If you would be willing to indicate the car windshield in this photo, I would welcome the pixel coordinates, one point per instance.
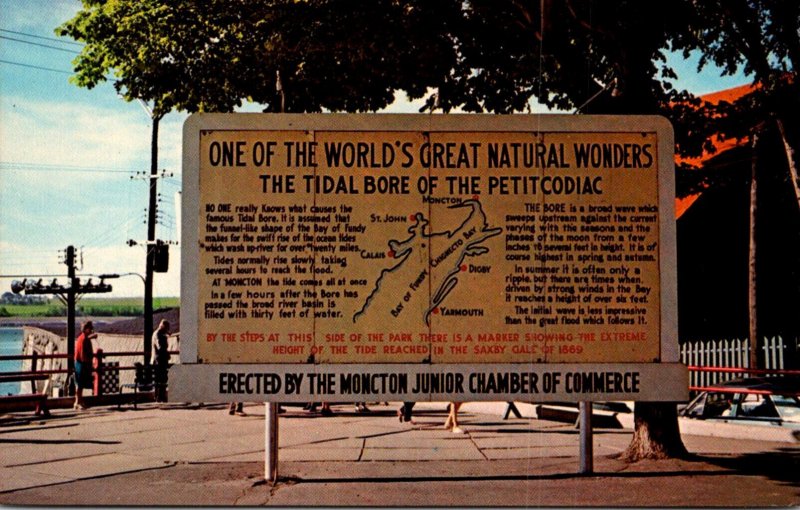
(756, 406)
(788, 407)
(772, 400)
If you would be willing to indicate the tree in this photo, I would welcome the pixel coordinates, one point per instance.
(495, 56)
(176, 55)
(592, 57)
(482, 55)
(763, 38)
(343, 55)
(155, 49)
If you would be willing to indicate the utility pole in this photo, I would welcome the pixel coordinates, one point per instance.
(69, 295)
(151, 243)
(73, 284)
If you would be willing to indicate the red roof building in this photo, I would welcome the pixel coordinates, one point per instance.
(713, 234)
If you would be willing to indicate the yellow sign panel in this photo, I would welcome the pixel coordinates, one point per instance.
(428, 246)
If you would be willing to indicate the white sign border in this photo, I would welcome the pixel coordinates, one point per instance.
(432, 123)
(236, 382)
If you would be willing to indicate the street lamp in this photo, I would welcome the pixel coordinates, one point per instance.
(112, 276)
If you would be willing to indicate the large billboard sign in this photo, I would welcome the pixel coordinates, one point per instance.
(389, 248)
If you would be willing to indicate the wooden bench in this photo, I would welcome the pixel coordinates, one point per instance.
(32, 377)
(25, 401)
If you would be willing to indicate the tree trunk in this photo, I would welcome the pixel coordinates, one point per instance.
(790, 160)
(656, 434)
(751, 273)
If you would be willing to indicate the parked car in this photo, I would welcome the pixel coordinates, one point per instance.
(753, 400)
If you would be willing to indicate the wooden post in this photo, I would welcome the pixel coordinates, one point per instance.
(34, 359)
(751, 265)
(271, 442)
(98, 372)
(586, 449)
(71, 296)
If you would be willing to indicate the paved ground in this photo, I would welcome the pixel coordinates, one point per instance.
(192, 455)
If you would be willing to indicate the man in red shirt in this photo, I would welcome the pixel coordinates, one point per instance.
(84, 357)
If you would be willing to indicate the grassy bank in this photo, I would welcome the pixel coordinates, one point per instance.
(95, 307)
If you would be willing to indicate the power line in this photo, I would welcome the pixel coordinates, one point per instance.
(21, 260)
(28, 253)
(23, 41)
(101, 239)
(57, 167)
(35, 67)
(28, 250)
(62, 41)
(31, 275)
(46, 167)
(31, 250)
(174, 182)
(32, 262)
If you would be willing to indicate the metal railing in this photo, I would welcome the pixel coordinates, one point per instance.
(693, 370)
(35, 374)
(733, 354)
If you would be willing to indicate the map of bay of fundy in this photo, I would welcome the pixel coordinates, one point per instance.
(427, 268)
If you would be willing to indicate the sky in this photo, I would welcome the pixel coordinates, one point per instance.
(72, 159)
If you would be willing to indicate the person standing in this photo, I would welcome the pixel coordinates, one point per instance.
(404, 413)
(161, 359)
(452, 419)
(84, 357)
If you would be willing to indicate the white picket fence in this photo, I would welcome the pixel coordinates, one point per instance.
(728, 353)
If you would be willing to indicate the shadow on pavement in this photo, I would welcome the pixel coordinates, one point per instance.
(56, 441)
(489, 478)
(10, 430)
(781, 465)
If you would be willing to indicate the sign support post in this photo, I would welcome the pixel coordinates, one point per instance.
(586, 439)
(271, 442)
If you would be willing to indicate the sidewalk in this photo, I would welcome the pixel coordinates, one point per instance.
(192, 455)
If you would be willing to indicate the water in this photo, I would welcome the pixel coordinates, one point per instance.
(10, 345)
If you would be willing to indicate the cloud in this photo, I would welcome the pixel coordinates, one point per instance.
(122, 260)
(402, 104)
(73, 135)
(65, 180)
(170, 143)
(20, 259)
(126, 259)
(32, 15)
